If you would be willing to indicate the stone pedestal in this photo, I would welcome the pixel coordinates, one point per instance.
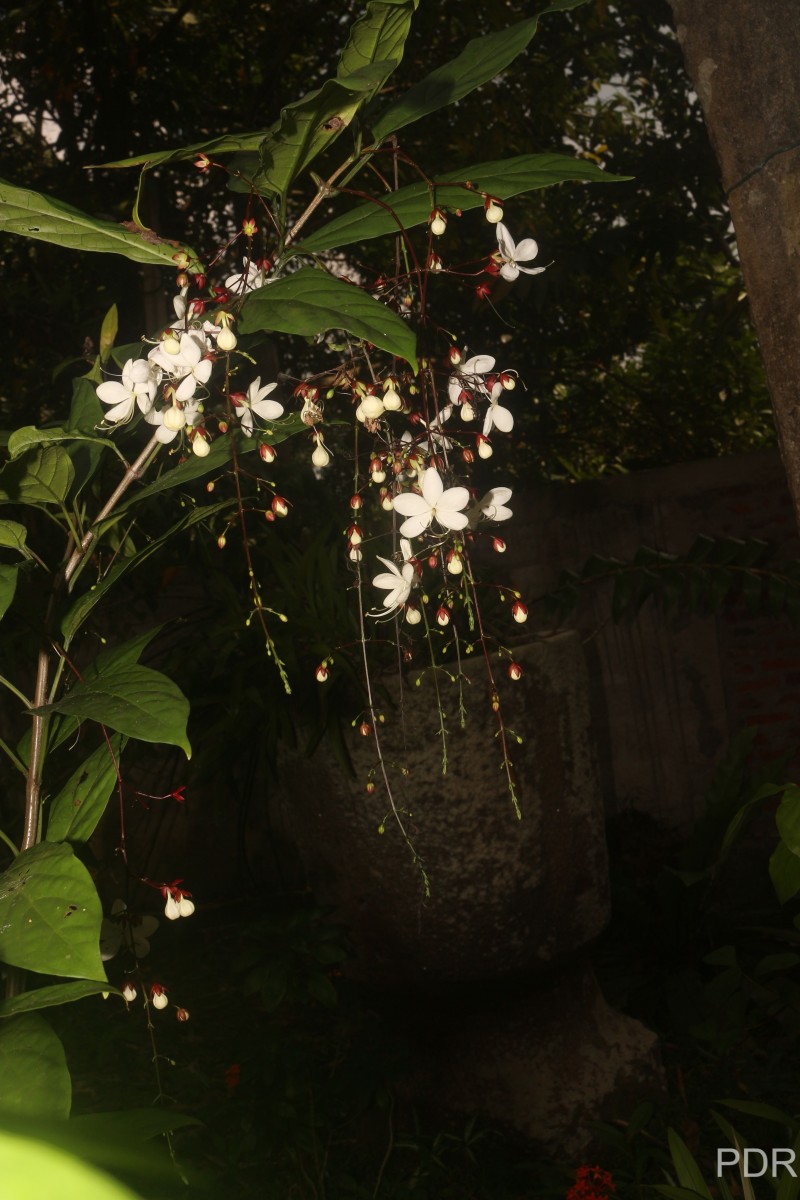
(512, 902)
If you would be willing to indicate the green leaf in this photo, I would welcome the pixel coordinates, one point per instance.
(134, 700)
(311, 302)
(784, 871)
(787, 818)
(108, 332)
(310, 125)
(33, 215)
(33, 1070)
(756, 1108)
(76, 810)
(228, 143)
(50, 914)
(412, 205)
(85, 411)
(29, 437)
(481, 60)
(32, 1169)
(689, 1174)
(41, 476)
(13, 537)
(216, 460)
(53, 995)
(8, 586)
(75, 616)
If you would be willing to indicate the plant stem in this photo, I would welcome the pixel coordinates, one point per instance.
(5, 838)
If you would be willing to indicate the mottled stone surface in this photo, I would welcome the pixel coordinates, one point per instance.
(506, 895)
(543, 1060)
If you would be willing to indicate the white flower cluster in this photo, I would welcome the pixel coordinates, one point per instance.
(170, 384)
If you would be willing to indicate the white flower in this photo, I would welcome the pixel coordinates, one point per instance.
(497, 417)
(172, 420)
(514, 254)
(435, 504)
(492, 506)
(256, 402)
(189, 364)
(397, 582)
(250, 278)
(113, 934)
(138, 386)
(468, 377)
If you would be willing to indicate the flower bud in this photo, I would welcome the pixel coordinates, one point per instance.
(223, 426)
(372, 407)
(170, 344)
(376, 470)
(519, 612)
(172, 909)
(355, 554)
(356, 502)
(507, 381)
(182, 1014)
(174, 418)
(355, 535)
(181, 279)
(514, 670)
(455, 564)
(484, 447)
(280, 506)
(320, 457)
(129, 993)
(392, 401)
(226, 340)
(186, 906)
(249, 227)
(201, 446)
(370, 787)
(498, 545)
(267, 453)
(443, 616)
(434, 262)
(413, 615)
(365, 729)
(432, 560)
(221, 541)
(492, 210)
(483, 291)
(202, 162)
(438, 222)
(321, 673)
(467, 455)
(467, 412)
(158, 996)
(454, 356)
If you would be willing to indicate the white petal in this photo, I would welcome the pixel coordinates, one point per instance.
(112, 392)
(191, 353)
(505, 241)
(526, 249)
(478, 365)
(509, 271)
(533, 270)
(409, 504)
(453, 499)
(405, 549)
(186, 388)
(122, 412)
(503, 419)
(450, 519)
(202, 371)
(269, 410)
(414, 526)
(432, 486)
(165, 435)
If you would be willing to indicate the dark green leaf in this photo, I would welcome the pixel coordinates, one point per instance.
(784, 871)
(787, 818)
(53, 996)
(33, 1069)
(481, 60)
(8, 586)
(310, 125)
(42, 476)
(689, 1174)
(50, 914)
(311, 302)
(74, 813)
(13, 536)
(133, 700)
(33, 215)
(74, 618)
(412, 205)
(86, 411)
(217, 460)
(29, 437)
